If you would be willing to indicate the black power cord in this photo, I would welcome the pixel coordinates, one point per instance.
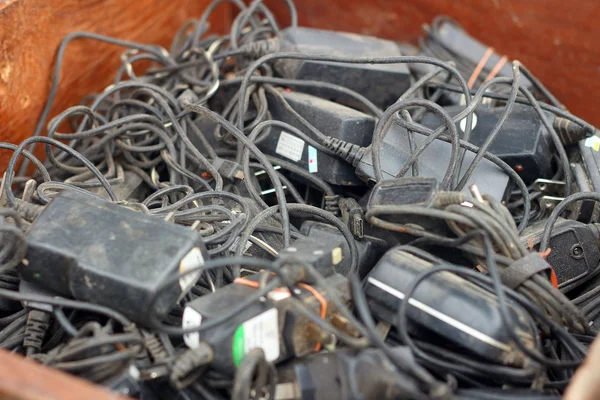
(181, 141)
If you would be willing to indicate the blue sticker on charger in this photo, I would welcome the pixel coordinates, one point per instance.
(312, 160)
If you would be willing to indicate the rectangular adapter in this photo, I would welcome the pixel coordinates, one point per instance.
(523, 142)
(272, 325)
(449, 305)
(432, 162)
(97, 251)
(575, 251)
(457, 44)
(382, 84)
(346, 374)
(417, 191)
(333, 120)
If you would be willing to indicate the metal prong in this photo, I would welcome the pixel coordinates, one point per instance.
(210, 281)
(3, 191)
(265, 245)
(476, 193)
(154, 176)
(262, 171)
(549, 202)
(195, 225)
(548, 186)
(170, 217)
(269, 191)
(29, 190)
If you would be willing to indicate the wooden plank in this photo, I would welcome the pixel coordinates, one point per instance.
(555, 39)
(26, 380)
(30, 31)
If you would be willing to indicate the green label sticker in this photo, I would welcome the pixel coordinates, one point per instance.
(238, 346)
(260, 332)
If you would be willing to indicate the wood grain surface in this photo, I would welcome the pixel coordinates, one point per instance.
(30, 31)
(23, 379)
(557, 40)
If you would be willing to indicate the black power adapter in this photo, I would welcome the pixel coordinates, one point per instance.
(417, 191)
(575, 255)
(446, 40)
(346, 374)
(334, 119)
(449, 305)
(432, 163)
(98, 251)
(271, 325)
(523, 142)
(380, 83)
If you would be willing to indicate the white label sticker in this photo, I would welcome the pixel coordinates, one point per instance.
(192, 260)
(463, 123)
(191, 319)
(593, 142)
(290, 146)
(260, 332)
(312, 160)
(278, 295)
(134, 372)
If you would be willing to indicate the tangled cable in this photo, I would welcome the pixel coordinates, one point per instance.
(187, 141)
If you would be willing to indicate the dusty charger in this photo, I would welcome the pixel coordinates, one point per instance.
(575, 251)
(333, 119)
(380, 83)
(457, 310)
(523, 142)
(346, 374)
(97, 251)
(271, 325)
(432, 163)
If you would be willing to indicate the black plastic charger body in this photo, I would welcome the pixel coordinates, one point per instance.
(455, 309)
(381, 83)
(98, 251)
